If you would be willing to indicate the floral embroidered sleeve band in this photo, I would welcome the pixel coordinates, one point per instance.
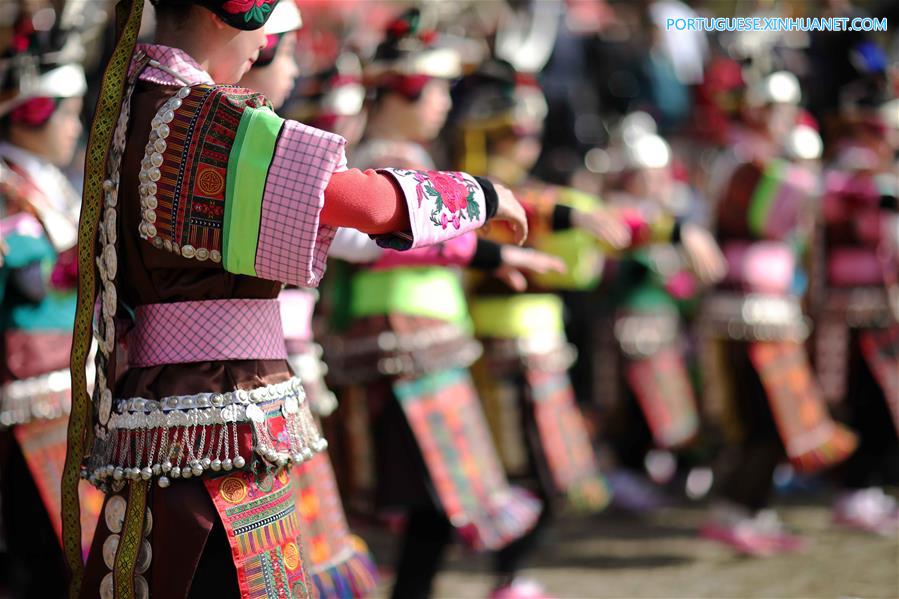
(441, 205)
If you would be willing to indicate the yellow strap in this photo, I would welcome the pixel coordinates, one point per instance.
(130, 541)
(80, 432)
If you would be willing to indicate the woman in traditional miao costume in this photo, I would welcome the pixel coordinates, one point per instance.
(653, 404)
(772, 406)
(857, 305)
(522, 378)
(405, 354)
(200, 204)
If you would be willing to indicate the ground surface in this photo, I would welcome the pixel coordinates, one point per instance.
(615, 555)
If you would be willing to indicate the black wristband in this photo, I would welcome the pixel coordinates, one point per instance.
(676, 230)
(487, 255)
(889, 203)
(561, 220)
(490, 198)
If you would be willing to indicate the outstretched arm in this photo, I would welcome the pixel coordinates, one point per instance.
(271, 210)
(406, 208)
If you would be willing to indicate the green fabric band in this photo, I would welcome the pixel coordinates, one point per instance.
(763, 197)
(411, 391)
(649, 297)
(427, 291)
(248, 164)
(518, 316)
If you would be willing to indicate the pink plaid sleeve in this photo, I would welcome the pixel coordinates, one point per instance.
(293, 244)
(442, 205)
(456, 252)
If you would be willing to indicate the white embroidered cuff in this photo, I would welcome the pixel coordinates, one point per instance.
(442, 205)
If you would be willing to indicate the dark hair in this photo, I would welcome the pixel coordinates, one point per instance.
(174, 12)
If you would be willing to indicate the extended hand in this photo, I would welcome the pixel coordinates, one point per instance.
(706, 259)
(517, 261)
(604, 225)
(509, 210)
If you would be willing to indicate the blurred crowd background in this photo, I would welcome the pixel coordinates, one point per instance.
(620, 94)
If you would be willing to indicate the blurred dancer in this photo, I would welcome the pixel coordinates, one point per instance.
(774, 405)
(339, 563)
(408, 347)
(654, 285)
(40, 123)
(857, 333)
(334, 100)
(522, 377)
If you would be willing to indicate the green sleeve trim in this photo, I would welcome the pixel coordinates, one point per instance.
(763, 197)
(248, 164)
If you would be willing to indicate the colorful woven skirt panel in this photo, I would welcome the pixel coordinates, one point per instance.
(447, 421)
(880, 347)
(812, 439)
(565, 442)
(263, 527)
(43, 443)
(500, 393)
(662, 387)
(338, 563)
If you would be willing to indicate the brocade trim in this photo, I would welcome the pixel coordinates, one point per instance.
(431, 349)
(862, 307)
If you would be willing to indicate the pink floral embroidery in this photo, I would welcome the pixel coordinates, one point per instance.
(255, 10)
(453, 196)
(681, 285)
(241, 6)
(453, 193)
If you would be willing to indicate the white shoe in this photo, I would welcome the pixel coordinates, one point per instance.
(869, 510)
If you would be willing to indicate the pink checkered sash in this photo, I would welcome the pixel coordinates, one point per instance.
(206, 331)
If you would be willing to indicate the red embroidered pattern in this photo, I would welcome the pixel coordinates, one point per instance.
(191, 190)
(252, 10)
(453, 196)
(259, 514)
